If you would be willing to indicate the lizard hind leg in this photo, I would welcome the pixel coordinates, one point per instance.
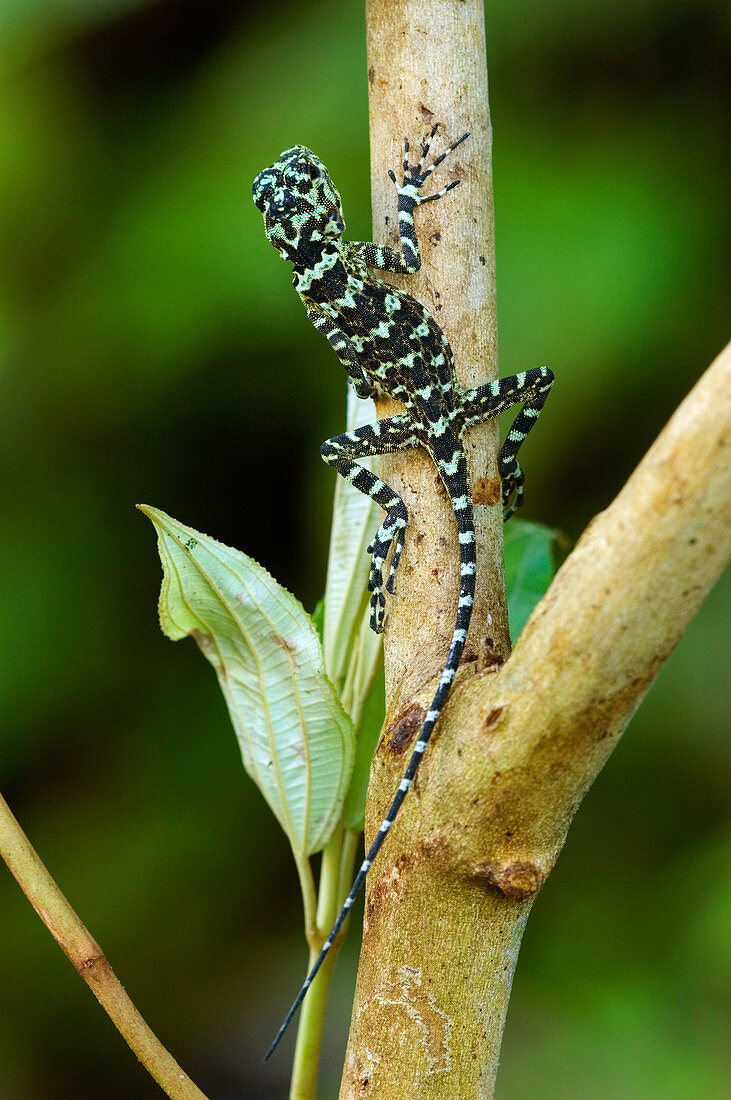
(390, 533)
(529, 389)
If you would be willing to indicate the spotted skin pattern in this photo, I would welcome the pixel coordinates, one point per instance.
(391, 346)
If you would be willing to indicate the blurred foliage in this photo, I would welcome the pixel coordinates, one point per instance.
(152, 349)
(531, 554)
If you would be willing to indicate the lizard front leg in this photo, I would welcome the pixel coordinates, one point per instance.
(342, 347)
(380, 437)
(407, 260)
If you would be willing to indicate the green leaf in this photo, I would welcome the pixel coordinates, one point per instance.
(318, 617)
(369, 730)
(529, 568)
(296, 740)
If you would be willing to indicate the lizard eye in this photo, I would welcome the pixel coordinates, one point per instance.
(308, 170)
(262, 190)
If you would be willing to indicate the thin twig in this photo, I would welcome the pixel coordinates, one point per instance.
(88, 959)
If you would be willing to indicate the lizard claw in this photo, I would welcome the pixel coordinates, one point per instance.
(415, 176)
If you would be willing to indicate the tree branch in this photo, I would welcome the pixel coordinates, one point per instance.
(517, 748)
(517, 751)
(539, 732)
(426, 65)
(87, 957)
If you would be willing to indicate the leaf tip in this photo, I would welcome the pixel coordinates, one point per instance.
(149, 511)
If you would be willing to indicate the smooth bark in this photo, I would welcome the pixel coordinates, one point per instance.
(519, 744)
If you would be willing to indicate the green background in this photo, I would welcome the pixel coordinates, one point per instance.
(151, 349)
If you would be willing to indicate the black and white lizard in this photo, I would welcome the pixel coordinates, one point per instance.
(391, 346)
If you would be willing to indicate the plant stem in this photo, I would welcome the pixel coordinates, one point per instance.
(309, 898)
(87, 957)
(351, 840)
(312, 1017)
(309, 1031)
(327, 895)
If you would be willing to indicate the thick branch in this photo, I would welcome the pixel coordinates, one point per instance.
(537, 733)
(426, 65)
(517, 750)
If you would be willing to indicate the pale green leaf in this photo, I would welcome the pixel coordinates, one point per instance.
(296, 740)
(355, 519)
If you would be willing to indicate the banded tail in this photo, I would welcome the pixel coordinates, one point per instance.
(454, 474)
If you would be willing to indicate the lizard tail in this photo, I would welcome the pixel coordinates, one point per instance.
(454, 474)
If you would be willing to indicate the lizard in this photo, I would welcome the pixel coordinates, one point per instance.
(392, 347)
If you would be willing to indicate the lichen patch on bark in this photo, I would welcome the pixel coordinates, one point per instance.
(405, 996)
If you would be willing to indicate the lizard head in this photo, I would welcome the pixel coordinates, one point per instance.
(299, 201)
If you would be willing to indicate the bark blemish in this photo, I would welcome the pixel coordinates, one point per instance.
(518, 881)
(493, 717)
(488, 657)
(387, 889)
(486, 490)
(405, 730)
